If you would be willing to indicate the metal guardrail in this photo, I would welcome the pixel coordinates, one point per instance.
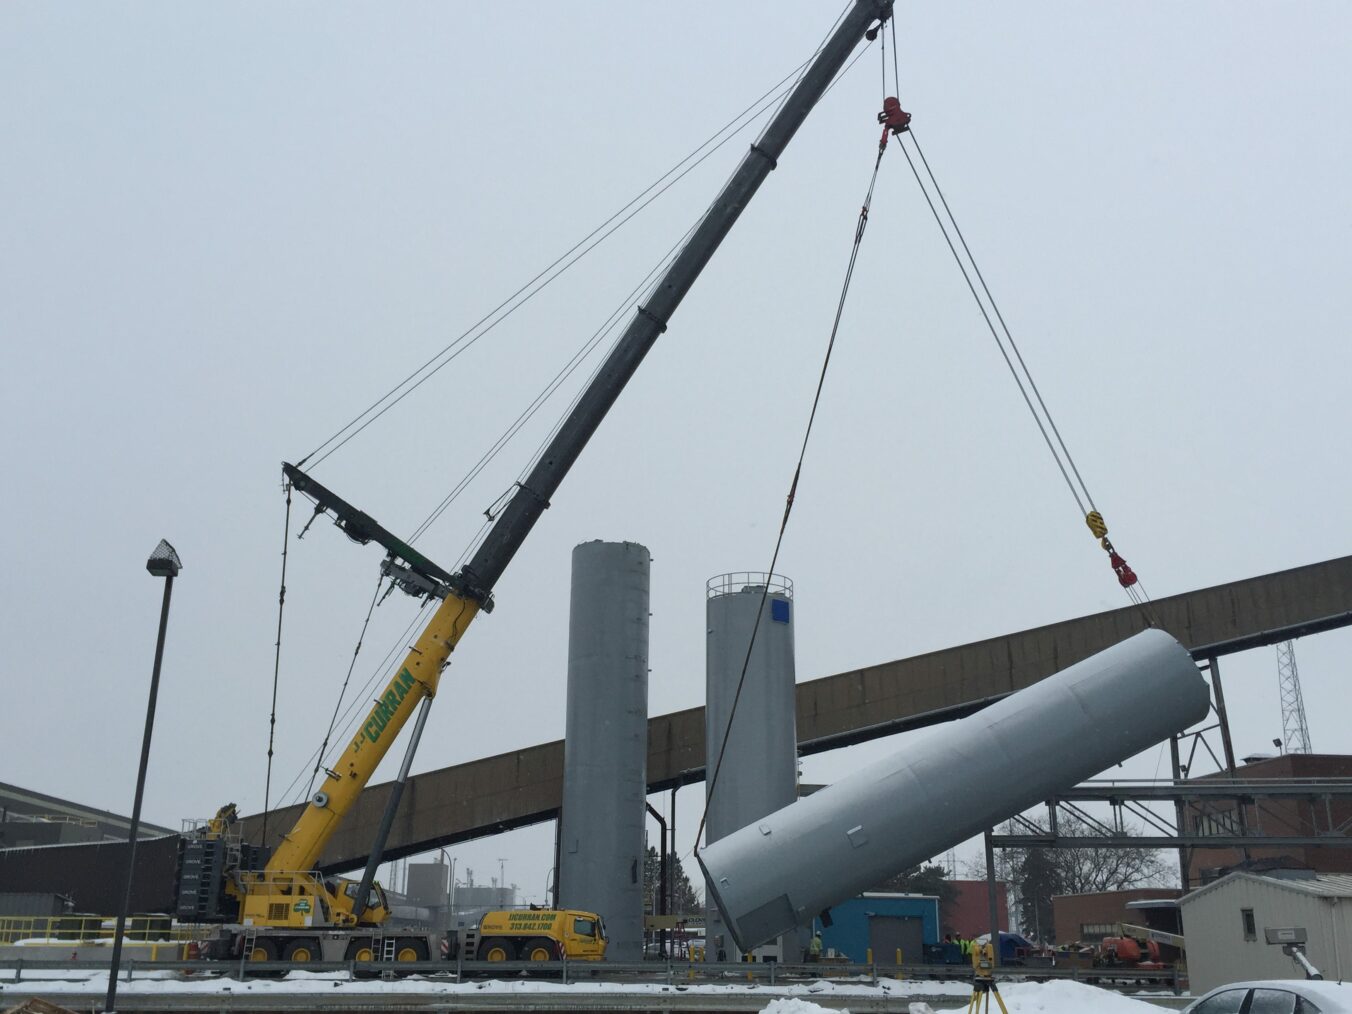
(49, 818)
(64, 930)
(667, 972)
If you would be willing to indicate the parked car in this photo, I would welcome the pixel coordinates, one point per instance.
(1276, 996)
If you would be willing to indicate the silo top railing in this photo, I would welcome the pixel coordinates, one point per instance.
(748, 580)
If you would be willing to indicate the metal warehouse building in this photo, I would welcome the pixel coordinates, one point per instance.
(1226, 922)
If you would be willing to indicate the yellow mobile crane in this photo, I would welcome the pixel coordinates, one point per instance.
(281, 905)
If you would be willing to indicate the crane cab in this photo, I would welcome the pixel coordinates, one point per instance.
(296, 900)
(343, 899)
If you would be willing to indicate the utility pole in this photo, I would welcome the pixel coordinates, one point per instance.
(163, 562)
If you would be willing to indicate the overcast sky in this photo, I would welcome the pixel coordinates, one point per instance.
(226, 229)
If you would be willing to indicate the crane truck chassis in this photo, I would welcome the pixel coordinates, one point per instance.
(538, 935)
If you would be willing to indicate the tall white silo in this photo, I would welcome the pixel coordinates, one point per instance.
(605, 750)
(759, 770)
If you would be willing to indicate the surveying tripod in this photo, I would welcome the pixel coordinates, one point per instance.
(983, 980)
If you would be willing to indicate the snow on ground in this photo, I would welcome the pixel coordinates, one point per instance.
(1061, 997)
(794, 1006)
(1019, 997)
(796, 998)
(92, 981)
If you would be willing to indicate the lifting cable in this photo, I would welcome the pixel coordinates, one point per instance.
(319, 760)
(607, 327)
(540, 450)
(778, 93)
(1023, 378)
(578, 357)
(277, 661)
(860, 225)
(562, 263)
(348, 718)
(559, 378)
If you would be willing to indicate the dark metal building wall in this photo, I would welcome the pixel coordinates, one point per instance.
(92, 875)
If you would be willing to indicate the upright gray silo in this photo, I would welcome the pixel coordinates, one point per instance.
(605, 749)
(759, 770)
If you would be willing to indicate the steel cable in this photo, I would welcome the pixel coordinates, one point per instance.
(357, 425)
(607, 327)
(1009, 336)
(277, 660)
(319, 761)
(1002, 336)
(562, 376)
(347, 717)
(538, 402)
(995, 334)
(860, 226)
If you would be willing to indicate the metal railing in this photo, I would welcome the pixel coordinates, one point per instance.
(49, 818)
(768, 973)
(748, 580)
(64, 930)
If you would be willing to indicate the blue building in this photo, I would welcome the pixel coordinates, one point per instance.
(883, 923)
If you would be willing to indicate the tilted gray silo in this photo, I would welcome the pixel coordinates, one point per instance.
(759, 770)
(605, 750)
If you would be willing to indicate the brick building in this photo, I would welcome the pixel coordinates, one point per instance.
(1308, 816)
(1091, 917)
(968, 913)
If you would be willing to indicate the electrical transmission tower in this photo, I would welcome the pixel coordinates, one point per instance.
(1295, 733)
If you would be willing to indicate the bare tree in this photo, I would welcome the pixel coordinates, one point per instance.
(1036, 875)
(1084, 870)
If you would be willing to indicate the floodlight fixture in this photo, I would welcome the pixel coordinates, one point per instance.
(164, 561)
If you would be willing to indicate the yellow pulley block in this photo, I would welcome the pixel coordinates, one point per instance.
(1096, 524)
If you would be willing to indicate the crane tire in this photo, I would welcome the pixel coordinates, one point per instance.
(302, 951)
(263, 949)
(410, 949)
(497, 949)
(539, 949)
(361, 949)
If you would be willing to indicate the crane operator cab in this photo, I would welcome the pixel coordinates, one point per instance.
(344, 900)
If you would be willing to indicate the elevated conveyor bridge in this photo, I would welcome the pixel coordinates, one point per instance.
(524, 787)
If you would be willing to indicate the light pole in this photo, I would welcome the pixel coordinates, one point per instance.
(163, 562)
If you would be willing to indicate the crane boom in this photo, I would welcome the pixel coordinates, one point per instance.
(471, 587)
(518, 517)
